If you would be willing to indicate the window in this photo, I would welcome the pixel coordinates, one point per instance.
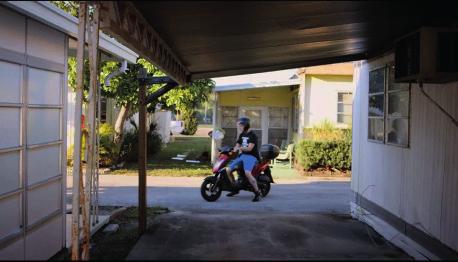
(397, 115)
(229, 124)
(376, 105)
(278, 126)
(389, 104)
(344, 107)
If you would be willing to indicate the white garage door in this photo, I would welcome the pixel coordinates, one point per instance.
(32, 148)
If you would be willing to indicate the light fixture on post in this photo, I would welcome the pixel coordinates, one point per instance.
(254, 98)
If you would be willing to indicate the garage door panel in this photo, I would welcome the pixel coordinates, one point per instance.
(10, 171)
(14, 251)
(10, 123)
(43, 125)
(43, 163)
(10, 84)
(42, 201)
(45, 42)
(44, 242)
(44, 87)
(10, 215)
(14, 28)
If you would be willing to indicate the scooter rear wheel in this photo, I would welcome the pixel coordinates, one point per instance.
(206, 189)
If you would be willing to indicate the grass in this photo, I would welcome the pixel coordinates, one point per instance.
(116, 246)
(162, 164)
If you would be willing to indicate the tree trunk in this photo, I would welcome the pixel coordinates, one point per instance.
(119, 125)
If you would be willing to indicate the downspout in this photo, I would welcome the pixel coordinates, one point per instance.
(120, 70)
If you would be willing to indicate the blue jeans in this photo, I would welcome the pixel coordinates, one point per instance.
(248, 162)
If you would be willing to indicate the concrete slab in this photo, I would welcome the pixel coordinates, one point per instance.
(232, 235)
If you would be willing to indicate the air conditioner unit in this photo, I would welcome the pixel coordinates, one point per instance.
(428, 55)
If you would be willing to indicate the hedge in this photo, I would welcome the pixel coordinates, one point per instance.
(312, 154)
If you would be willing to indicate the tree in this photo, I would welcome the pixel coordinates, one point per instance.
(124, 88)
(70, 7)
(184, 101)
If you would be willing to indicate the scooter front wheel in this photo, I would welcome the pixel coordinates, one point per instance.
(264, 187)
(209, 190)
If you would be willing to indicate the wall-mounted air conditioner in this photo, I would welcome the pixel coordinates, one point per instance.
(428, 55)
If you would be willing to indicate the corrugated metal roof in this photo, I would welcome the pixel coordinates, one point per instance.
(259, 80)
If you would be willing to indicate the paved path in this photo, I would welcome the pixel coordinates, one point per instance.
(183, 193)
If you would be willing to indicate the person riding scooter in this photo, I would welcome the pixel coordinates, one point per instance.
(247, 145)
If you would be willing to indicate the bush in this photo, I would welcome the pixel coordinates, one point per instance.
(312, 154)
(129, 147)
(70, 151)
(108, 149)
(190, 122)
(326, 131)
(324, 146)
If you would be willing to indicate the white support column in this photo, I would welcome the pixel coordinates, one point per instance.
(215, 126)
(302, 106)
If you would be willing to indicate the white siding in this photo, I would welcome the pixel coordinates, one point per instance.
(322, 101)
(418, 184)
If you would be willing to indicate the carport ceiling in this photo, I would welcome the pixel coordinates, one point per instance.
(212, 39)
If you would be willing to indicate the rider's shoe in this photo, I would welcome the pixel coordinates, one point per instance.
(257, 197)
(233, 193)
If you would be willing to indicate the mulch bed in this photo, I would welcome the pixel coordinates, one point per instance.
(116, 245)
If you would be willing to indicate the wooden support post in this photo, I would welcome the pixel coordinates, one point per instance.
(77, 139)
(93, 33)
(142, 155)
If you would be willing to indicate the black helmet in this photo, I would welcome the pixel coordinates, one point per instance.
(245, 122)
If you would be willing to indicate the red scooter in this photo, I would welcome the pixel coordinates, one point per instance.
(213, 186)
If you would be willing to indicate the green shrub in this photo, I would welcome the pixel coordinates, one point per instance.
(108, 149)
(129, 147)
(312, 154)
(190, 122)
(70, 151)
(325, 131)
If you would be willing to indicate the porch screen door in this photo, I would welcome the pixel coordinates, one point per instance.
(256, 121)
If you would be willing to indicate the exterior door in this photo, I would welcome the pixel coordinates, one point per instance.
(258, 121)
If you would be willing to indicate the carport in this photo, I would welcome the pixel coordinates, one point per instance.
(193, 40)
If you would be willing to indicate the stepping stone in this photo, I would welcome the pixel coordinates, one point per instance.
(111, 228)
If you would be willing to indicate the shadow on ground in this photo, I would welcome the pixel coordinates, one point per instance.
(225, 235)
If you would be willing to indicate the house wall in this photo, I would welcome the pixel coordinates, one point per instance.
(322, 103)
(111, 115)
(277, 96)
(418, 184)
(265, 97)
(33, 88)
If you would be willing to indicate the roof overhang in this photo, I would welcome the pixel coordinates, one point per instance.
(249, 86)
(58, 19)
(191, 40)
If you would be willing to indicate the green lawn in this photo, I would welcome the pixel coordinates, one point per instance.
(162, 164)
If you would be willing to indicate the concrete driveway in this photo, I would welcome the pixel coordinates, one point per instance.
(183, 193)
(299, 219)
